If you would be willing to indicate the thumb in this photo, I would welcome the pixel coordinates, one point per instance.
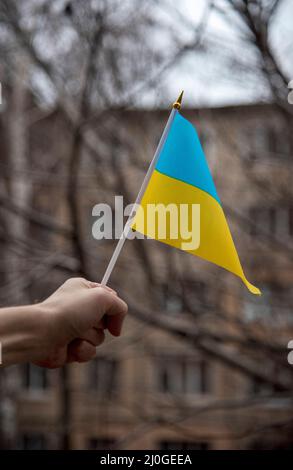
(108, 303)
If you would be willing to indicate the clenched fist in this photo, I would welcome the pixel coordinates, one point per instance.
(66, 327)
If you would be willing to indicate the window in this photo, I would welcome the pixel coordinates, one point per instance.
(182, 376)
(260, 388)
(172, 300)
(101, 443)
(277, 221)
(268, 142)
(189, 293)
(34, 441)
(103, 375)
(273, 306)
(258, 309)
(196, 292)
(278, 142)
(183, 445)
(34, 377)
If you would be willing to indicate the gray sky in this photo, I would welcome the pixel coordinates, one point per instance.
(209, 78)
(207, 81)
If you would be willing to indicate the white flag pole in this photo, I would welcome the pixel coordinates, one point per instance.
(127, 227)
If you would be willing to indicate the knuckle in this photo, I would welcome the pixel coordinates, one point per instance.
(124, 307)
(76, 282)
(80, 279)
(103, 295)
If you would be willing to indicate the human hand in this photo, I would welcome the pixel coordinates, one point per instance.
(75, 317)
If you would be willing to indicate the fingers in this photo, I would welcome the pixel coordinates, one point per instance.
(111, 304)
(84, 349)
(102, 324)
(114, 324)
(115, 310)
(95, 336)
(75, 282)
(56, 359)
(86, 305)
(80, 351)
(111, 322)
(96, 284)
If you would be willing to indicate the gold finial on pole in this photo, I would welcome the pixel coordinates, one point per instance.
(177, 104)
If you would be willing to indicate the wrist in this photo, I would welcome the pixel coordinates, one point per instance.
(24, 334)
(40, 330)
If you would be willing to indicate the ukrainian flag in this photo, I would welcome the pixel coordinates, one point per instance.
(181, 176)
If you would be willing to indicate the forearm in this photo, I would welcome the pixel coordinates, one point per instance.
(21, 333)
(66, 327)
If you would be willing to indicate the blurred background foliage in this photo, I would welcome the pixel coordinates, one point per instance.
(85, 92)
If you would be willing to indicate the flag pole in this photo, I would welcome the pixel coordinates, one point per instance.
(127, 228)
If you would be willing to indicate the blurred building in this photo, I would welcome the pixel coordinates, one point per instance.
(149, 389)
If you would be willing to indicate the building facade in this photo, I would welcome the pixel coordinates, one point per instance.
(152, 389)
